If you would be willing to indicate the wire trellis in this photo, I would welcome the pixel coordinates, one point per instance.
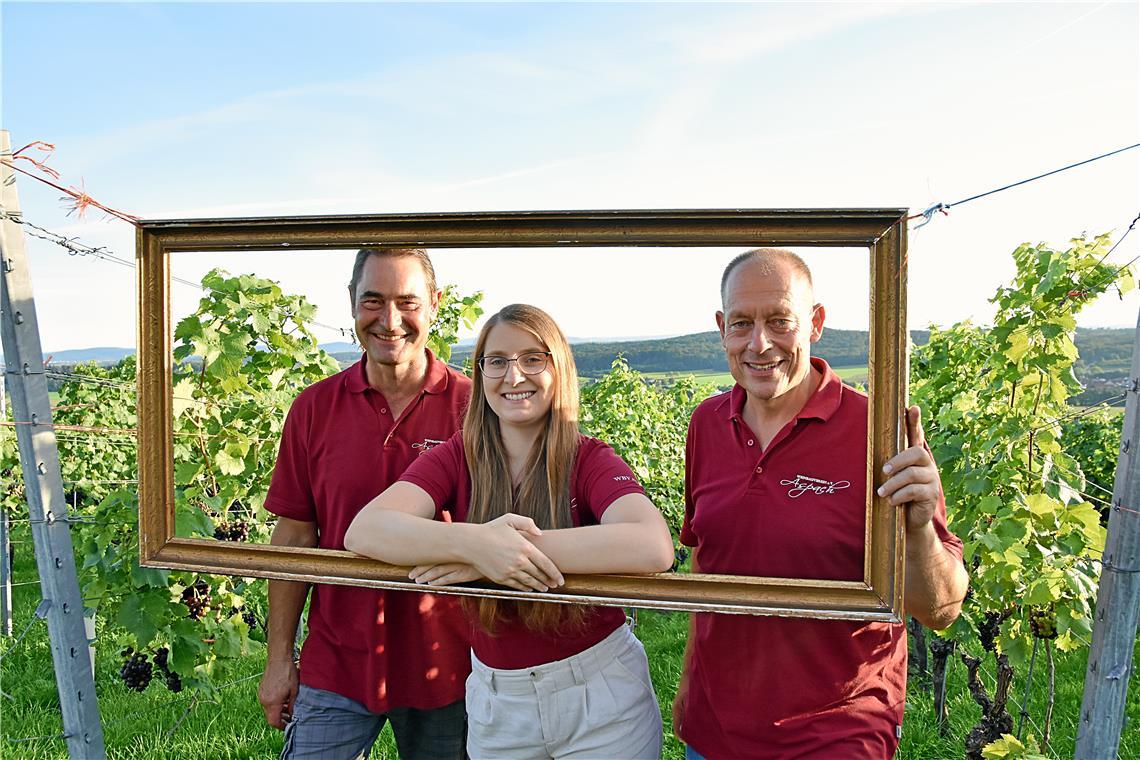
(75, 248)
(944, 208)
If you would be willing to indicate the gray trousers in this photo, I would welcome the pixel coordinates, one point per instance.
(327, 726)
(598, 704)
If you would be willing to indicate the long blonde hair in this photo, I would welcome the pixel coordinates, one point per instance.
(544, 493)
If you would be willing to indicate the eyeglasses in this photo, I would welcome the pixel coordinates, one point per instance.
(532, 363)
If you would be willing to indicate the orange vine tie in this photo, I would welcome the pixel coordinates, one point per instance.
(44, 147)
(78, 197)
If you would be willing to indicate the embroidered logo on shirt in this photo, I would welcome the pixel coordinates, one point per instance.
(426, 444)
(623, 478)
(802, 484)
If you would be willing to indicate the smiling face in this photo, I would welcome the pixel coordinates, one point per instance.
(393, 308)
(767, 327)
(516, 398)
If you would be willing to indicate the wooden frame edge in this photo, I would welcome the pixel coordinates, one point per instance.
(882, 231)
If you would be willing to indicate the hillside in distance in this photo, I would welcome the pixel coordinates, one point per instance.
(702, 352)
(1105, 355)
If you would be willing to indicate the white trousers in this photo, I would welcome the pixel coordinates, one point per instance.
(596, 705)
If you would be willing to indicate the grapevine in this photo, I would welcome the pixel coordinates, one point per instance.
(240, 359)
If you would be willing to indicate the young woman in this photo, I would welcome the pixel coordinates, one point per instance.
(520, 497)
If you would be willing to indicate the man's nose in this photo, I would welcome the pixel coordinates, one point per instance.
(389, 317)
(758, 341)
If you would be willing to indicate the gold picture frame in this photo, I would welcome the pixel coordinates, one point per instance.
(877, 597)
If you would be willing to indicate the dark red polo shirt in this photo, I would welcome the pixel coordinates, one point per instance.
(769, 687)
(339, 449)
(598, 479)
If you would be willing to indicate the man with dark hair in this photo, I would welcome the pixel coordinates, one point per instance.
(371, 656)
(775, 481)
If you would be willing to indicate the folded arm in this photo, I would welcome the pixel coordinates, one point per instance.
(398, 526)
(632, 538)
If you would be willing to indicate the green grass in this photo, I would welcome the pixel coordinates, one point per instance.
(159, 725)
(719, 379)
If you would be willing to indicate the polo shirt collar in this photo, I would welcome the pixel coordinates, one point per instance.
(822, 404)
(437, 380)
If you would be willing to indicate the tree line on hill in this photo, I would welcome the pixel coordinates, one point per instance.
(702, 352)
(1105, 355)
(1104, 352)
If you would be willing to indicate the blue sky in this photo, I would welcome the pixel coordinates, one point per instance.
(174, 110)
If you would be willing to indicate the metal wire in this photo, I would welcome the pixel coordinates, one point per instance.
(1077, 414)
(177, 700)
(89, 482)
(75, 248)
(130, 432)
(1028, 717)
(1117, 271)
(66, 377)
(39, 738)
(38, 617)
(1082, 494)
(1119, 240)
(1040, 176)
(1082, 476)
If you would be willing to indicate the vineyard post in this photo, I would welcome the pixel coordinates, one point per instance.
(39, 460)
(5, 542)
(1118, 598)
(5, 576)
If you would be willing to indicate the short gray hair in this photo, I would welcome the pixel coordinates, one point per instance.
(768, 258)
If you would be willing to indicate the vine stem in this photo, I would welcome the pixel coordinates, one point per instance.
(1028, 683)
(1033, 416)
(1051, 698)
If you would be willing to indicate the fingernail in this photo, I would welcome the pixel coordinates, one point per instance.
(887, 468)
(881, 491)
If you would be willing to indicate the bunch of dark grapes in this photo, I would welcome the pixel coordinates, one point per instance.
(173, 682)
(136, 671)
(1043, 622)
(238, 530)
(196, 597)
(247, 616)
(988, 630)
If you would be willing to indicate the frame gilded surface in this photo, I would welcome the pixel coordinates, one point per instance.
(883, 231)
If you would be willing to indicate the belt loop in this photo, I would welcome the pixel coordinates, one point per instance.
(491, 681)
(576, 669)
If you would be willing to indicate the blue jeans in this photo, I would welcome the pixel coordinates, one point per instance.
(692, 754)
(328, 726)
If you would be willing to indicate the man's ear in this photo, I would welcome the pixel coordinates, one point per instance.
(720, 325)
(436, 297)
(351, 301)
(818, 314)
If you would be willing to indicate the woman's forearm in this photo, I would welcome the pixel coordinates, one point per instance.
(620, 547)
(405, 539)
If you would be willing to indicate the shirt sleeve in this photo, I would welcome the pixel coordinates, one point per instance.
(290, 489)
(602, 478)
(688, 537)
(437, 471)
